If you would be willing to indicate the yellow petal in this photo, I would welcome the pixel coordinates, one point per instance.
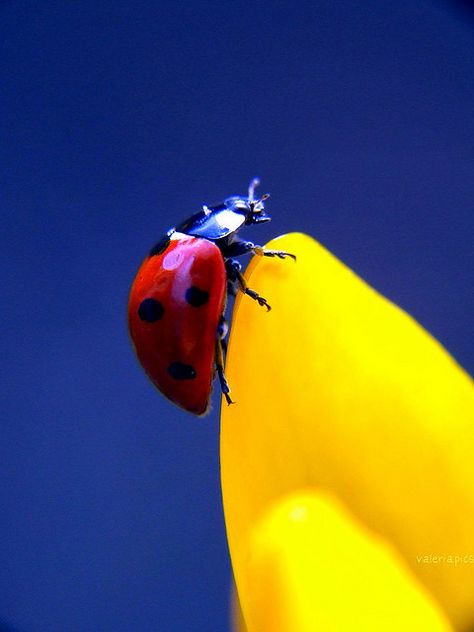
(237, 620)
(311, 568)
(338, 389)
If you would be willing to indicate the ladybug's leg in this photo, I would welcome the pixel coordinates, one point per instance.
(222, 331)
(231, 288)
(239, 247)
(281, 254)
(234, 275)
(220, 372)
(256, 297)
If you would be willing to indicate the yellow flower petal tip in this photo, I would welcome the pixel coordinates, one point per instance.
(338, 389)
(311, 568)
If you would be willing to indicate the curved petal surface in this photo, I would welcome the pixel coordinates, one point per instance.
(339, 390)
(313, 567)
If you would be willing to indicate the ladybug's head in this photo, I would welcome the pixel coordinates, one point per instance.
(253, 209)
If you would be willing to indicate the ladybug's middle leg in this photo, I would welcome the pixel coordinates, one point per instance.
(234, 275)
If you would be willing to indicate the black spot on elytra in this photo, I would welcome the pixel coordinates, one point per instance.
(150, 310)
(196, 297)
(181, 371)
(160, 246)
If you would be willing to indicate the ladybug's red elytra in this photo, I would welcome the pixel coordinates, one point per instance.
(178, 298)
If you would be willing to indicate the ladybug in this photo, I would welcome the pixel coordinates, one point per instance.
(178, 299)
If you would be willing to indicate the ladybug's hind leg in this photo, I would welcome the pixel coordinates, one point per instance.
(234, 274)
(222, 331)
(220, 371)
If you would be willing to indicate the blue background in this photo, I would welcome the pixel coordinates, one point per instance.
(119, 118)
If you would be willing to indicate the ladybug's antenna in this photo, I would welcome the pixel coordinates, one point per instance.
(256, 205)
(252, 186)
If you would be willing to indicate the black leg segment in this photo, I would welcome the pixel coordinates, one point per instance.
(239, 247)
(222, 331)
(234, 275)
(220, 372)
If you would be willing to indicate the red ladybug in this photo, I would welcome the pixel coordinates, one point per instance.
(178, 298)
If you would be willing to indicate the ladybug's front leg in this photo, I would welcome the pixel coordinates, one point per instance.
(239, 247)
(234, 275)
(281, 254)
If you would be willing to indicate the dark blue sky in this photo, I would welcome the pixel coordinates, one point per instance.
(120, 118)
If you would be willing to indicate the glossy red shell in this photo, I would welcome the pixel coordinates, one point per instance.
(185, 285)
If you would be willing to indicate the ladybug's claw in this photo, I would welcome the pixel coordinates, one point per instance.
(277, 253)
(260, 300)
